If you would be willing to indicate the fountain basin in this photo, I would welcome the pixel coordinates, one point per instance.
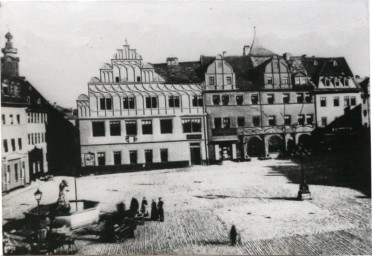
(83, 212)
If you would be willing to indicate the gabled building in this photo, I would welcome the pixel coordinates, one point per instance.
(337, 94)
(139, 115)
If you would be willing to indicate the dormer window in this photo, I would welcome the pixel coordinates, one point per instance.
(327, 82)
(315, 63)
(228, 80)
(334, 63)
(337, 82)
(297, 80)
(285, 80)
(269, 80)
(346, 82)
(303, 80)
(211, 80)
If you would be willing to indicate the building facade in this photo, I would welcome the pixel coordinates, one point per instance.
(133, 117)
(24, 118)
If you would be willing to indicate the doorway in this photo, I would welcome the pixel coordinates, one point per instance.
(195, 154)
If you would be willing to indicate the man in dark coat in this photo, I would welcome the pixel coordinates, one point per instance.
(161, 209)
(144, 210)
(233, 235)
(154, 210)
(134, 206)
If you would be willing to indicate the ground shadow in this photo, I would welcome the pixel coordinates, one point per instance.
(283, 198)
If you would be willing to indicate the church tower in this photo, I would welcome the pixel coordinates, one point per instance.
(10, 61)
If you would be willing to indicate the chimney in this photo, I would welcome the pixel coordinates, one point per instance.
(172, 61)
(287, 56)
(245, 50)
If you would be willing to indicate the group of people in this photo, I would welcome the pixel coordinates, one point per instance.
(157, 209)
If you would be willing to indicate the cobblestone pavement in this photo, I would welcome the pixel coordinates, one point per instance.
(201, 204)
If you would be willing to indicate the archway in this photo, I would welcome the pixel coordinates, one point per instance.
(36, 164)
(290, 146)
(275, 144)
(255, 147)
(305, 141)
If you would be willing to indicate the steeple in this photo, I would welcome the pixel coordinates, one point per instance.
(257, 49)
(9, 62)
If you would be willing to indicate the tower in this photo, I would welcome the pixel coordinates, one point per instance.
(9, 62)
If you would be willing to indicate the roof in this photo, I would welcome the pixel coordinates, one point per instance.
(258, 50)
(319, 67)
(364, 84)
(183, 72)
(26, 90)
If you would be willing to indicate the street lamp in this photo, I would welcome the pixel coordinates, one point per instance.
(38, 194)
(303, 192)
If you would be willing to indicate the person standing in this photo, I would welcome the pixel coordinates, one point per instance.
(161, 209)
(134, 206)
(63, 204)
(154, 211)
(233, 235)
(144, 210)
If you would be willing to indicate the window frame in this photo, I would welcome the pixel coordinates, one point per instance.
(94, 132)
(323, 101)
(147, 128)
(161, 127)
(131, 125)
(162, 150)
(271, 120)
(240, 119)
(113, 127)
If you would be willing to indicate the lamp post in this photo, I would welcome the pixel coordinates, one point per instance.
(303, 192)
(38, 194)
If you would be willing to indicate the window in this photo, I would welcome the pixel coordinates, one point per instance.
(269, 80)
(32, 138)
(197, 100)
(336, 101)
(300, 97)
(29, 139)
(191, 125)
(297, 80)
(239, 99)
(101, 158)
(303, 80)
(3, 118)
(364, 112)
(8, 175)
(151, 102)
(164, 155)
(131, 127)
(117, 79)
(115, 128)
(11, 119)
(346, 82)
(146, 126)
(211, 80)
(337, 82)
(98, 129)
(38, 138)
(23, 170)
(216, 99)
(309, 118)
(43, 137)
(254, 99)
(229, 80)
(256, 121)
(226, 122)
(42, 117)
(323, 102)
(117, 157)
(174, 101)
(5, 88)
(133, 156)
(138, 79)
(13, 144)
(285, 80)
(270, 98)
(37, 117)
(286, 98)
(18, 119)
(128, 103)
(217, 122)
(346, 101)
(32, 117)
(225, 100)
(105, 103)
(287, 120)
(353, 101)
(324, 121)
(241, 121)
(301, 119)
(5, 145)
(166, 126)
(148, 156)
(308, 98)
(20, 143)
(272, 120)
(327, 82)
